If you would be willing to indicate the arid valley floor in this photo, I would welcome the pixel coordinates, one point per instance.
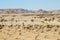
(31, 26)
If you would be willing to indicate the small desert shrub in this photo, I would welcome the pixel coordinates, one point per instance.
(27, 27)
(24, 27)
(42, 31)
(40, 17)
(20, 33)
(48, 30)
(49, 26)
(42, 21)
(5, 39)
(39, 28)
(25, 20)
(3, 20)
(12, 11)
(1, 26)
(0, 30)
(7, 12)
(36, 26)
(58, 20)
(59, 33)
(57, 26)
(36, 37)
(16, 20)
(32, 20)
(23, 24)
(12, 19)
(45, 36)
(18, 26)
(49, 20)
(10, 26)
(45, 19)
(30, 25)
(53, 18)
(35, 17)
(55, 30)
(14, 15)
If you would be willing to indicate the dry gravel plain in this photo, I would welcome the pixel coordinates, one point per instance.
(29, 26)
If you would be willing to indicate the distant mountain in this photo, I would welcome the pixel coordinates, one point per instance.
(17, 11)
(55, 11)
(41, 11)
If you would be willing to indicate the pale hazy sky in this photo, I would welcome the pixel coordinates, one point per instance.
(31, 4)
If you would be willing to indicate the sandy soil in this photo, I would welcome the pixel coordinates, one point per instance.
(29, 26)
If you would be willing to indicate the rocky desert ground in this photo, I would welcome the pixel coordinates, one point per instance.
(29, 25)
